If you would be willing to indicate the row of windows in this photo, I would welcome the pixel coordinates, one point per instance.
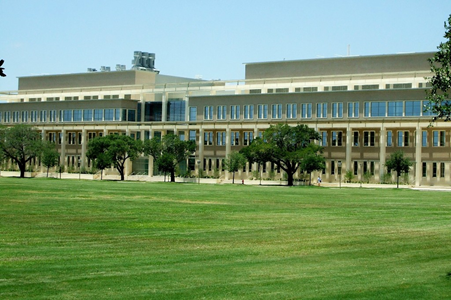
(68, 98)
(305, 110)
(68, 115)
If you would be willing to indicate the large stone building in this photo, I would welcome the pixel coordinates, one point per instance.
(364, 107)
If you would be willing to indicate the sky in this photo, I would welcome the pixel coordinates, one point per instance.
(208, 38)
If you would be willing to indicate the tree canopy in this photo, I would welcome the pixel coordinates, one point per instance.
(113, 150)
(168, 152)
(439, 94)
(286, 146)
(397, 162)
(49, 155)
(20, 143)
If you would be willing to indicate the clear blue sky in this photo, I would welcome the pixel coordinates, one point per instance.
(211, 38)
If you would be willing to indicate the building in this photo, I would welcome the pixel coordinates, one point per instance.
(364, 107)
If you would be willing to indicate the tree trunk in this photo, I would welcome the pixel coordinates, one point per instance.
(172, 176)
(233, 178)
(290, 178)
(397, 181)
(47, 172)
(122, 176)
(22, 171)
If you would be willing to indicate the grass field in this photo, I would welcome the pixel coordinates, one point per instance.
(70, 239)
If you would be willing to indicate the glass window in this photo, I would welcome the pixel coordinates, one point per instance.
(306, 112)
(355, 138)
(434, 169)
(353, 109)
(208, 138)
(249, 112)
(438, 138)
(378, 109)
(131, 115)
(43, 116)
(369, 138)
(413, 108)
(117, 114)
(193, 113)
(67, 115)
(248, 137)
(366, 109)
(389, 138)
(109, 114)
(337, 110)
(395, 109)
(323, 140)
(175, 110)
(262, 111)
(424, 138)
(235, 112)
(24, 116)
(292, 111)
(442, 170)
(52, 115)
(221, 138)
(222, 112)
(321, 110)
(98, 114)
(208, 113)
(276, 111)
(424, 169)
(337, 138)
(87, 115)
(77, 115)
(192, 135)
(235, 138)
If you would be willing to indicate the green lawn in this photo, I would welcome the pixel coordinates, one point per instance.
(70, 239)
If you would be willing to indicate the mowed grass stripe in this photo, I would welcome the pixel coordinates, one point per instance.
(69, 239)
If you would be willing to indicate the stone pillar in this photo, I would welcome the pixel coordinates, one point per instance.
(348, 160)
(418, 163)
(382, 152)
(164, 108)
(150, 168)
(83, 148)
(228, 148)
(200, 156)
(63, 148)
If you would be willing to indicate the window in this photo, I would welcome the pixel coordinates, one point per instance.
(25, 116)
(424, 138)
(292, 110)
(222, 112)
(235, 112)
(71, 138)
(337, 110)
(235, 138)
(262, 111)
(413, 108)
(321, 110)
(369, 138)
(337, 138)
(248, 137)
(434, 170)
(193, 113)
(276, 111)
(356, 168)
(52, 137)
(249, 112)
(332, 167)
(77, 115)
(98, 115)
(7, 118)
(117, 114)
(353, 109)
(323, 140)
(208, 113)
(395, 109)
(52, 116)
(389, 138)
(87, 115)
(438, 138)
(109, 114)
(221, 138)
(306, 110)
(355, 138)
(43, 116)
(34, 116)
(378, 109)
(424, 169)
(208, 138)
(403, 138)
(442, 170)
(192, 135)
(426, 109)
(67, 115)
(80, 138)
(131, 115)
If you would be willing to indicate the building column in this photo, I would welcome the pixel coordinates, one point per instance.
(348, 149)
(418, 162)
(200, 156)
(255, 165)
(150, 167)
(83, 148)
(164, 108)
(186, 108)
(228, 148)
(63, 148)
(382, 152)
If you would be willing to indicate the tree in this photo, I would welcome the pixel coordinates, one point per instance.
(286, 146)
(233, 162)
(49, 156)
(21, 144)
(113, 150)
(439, 94)
(168, 152)
(257, 152)
(399, 163)
(313, 160)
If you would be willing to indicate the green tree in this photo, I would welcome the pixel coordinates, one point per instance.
(233, 162)
(168, 152)
(313, 160)
(257, 152)
(20, 143)
(287, 146)
(49, 155)
(439, 94)
(113, 150)
(398, 163)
